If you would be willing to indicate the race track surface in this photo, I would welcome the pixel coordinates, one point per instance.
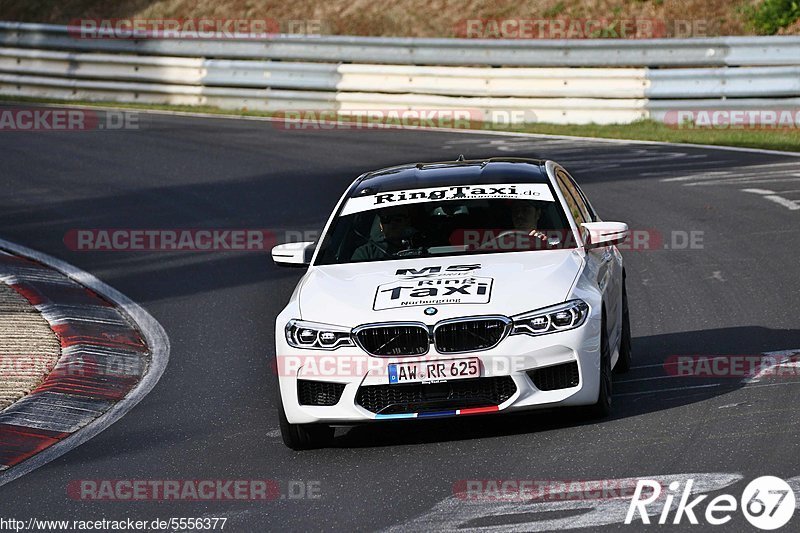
(213, 413)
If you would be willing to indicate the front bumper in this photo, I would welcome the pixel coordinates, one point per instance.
(513, 357)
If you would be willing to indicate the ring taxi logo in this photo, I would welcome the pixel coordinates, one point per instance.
(433, 285)
(767, 502)
(458, 290)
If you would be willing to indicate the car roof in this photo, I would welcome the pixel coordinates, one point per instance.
(444, 173)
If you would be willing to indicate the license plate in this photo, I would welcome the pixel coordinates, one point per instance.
(432, 371)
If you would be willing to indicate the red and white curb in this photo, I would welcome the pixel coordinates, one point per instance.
(112, 354)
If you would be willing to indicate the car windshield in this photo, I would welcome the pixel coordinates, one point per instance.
(445, 228)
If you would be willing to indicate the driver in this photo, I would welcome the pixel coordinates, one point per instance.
(525, 215)
(396, 229)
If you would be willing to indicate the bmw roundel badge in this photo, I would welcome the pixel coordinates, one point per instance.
(431, 311)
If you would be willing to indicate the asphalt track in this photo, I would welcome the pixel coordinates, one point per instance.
(212, 415)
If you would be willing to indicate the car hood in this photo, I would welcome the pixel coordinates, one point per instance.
(505, 283)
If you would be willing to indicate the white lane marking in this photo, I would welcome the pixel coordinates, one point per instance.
(711, 357)
(773, 384)
(691, 177)
(783, 353)
(692, 166)
(653, 366)
(644, 379)
(154, 335)
(729, 405)
(782, 359)
(741, 179)
(785, 202)
(575, 154)
(759, 191)
(788, 170)
(748, 171)
(458, 514)
(657, 391)
(753, 175)
(795, 484)
(274, 433)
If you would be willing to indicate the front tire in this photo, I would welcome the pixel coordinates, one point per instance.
(303, 436)
(602, 408)
(624, 361)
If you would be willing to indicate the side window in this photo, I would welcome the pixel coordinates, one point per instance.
(574, 201)
(589, 208)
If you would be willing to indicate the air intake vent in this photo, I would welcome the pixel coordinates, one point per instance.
(393, 340)
(419, 398)
(469, 335)
(555, 377)
(319, 392)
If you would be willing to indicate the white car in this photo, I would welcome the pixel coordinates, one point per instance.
(452, 289)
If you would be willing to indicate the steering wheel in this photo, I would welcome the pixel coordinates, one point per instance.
(506, 233)
(408, 251)
(415, 244)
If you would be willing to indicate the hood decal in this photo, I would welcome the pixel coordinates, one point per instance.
(434, 286)
(503, 283)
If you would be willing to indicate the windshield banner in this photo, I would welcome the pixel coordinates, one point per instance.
(511, 191)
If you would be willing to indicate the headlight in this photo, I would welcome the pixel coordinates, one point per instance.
(568, 315)
(315, 336)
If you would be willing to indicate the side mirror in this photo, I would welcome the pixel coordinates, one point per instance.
(293, 254)
(605, 233)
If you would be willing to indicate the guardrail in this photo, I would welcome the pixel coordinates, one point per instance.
(536, 78)
(711, 52)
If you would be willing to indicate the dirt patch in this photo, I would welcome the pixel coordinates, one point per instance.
(413, 18)
(28, 347)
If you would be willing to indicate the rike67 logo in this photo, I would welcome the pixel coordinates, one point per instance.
(767, 502)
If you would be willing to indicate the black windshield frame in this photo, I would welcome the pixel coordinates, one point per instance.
(333, 251)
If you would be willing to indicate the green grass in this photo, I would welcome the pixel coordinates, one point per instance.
(646, 130)
(770, 16)
(649, 130)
